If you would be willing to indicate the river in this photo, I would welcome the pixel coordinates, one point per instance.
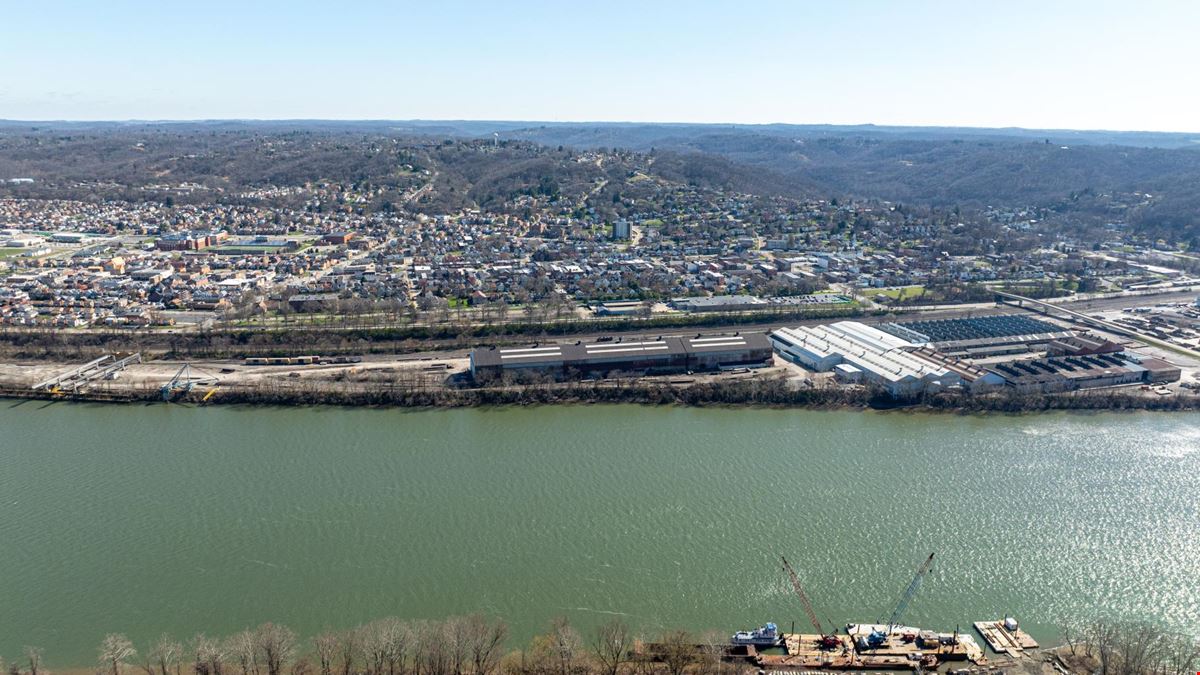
(145, 519)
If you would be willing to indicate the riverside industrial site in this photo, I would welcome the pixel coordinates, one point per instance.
(1139, 345)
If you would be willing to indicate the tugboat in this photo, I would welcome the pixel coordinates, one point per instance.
(767, 636)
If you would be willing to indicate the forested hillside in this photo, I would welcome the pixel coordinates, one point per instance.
(1146, 180)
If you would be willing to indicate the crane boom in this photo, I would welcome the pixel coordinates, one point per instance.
(183, 381)
(808, 608)
(909, 593)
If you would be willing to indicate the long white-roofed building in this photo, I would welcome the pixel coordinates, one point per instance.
(882, 358)
(642, 355)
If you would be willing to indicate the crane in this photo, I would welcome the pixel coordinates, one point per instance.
(827, 640)
(184, 381)
(878, 637)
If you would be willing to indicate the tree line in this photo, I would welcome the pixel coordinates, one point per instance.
(1109, 647)
(476, 645)
(466, 645)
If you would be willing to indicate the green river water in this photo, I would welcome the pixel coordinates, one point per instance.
(144, 519)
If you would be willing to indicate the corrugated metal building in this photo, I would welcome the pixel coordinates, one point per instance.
(1047, 375)
(1089, 371)
(883, 358)
(658, 355)
(966, 335)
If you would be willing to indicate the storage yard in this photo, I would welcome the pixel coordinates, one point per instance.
(1177, 323)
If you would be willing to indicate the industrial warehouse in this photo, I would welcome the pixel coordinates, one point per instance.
(979, 337)
(644, 356)
(857, 352)
(928, 356)
(1085, 372)
(975, 354)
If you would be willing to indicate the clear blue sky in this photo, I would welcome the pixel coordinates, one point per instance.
(1095, 64)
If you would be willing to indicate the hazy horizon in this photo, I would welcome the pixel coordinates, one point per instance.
(582, 122)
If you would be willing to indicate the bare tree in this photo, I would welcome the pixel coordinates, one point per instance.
(679, 651)
(454, 630)
(373, 647)
(713, 646)
(1070, 637)
(166, 655)
(484, 641)
(565, 642)
(115, 650)
(399, 644)
(276, 646)
(385, 646)
(611, 645)
(1180, 655)
(1135, 647)
(1101, 638)
(430, 651)
(241, 646)
(326, 646)
(1138, 648)
(349, 648)
(208, 655)
(33, 655)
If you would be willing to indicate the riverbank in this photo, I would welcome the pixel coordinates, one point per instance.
(480, 645)
(754, 392)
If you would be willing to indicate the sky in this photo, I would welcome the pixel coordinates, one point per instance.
(1064, 64)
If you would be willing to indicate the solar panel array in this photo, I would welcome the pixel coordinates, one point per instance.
(975, 328)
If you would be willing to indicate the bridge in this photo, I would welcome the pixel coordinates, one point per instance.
(1048, 308)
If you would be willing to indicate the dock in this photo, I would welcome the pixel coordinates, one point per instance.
(1004, 641)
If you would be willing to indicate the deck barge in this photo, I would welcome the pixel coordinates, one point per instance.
(804, 652)
(1005, 640)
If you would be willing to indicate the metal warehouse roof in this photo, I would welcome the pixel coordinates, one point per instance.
(725, 343)
(601, 352)
(865, 347)
(969, 329)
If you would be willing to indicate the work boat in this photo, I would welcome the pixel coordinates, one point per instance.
(767, 636)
